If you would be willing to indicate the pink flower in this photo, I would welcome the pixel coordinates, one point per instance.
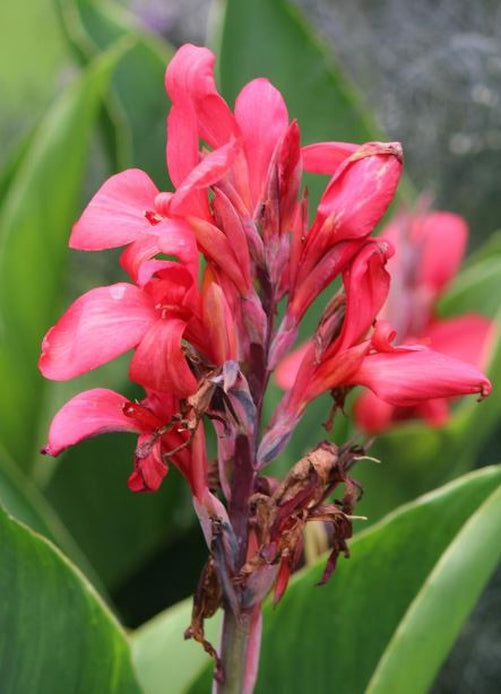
(99, 411)
(342, 355)
(364, 181)
(429, 249)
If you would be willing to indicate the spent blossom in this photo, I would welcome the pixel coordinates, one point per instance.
(205, 342)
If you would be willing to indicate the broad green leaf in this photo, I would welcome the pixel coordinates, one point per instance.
(37, 214)
(412, 659)
(56, 635)
(161, 655)
(135, 121)
(332, 638)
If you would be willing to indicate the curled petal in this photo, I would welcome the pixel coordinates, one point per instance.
(262, 117)
(116, 214)
(186, 200)
(325, 157)
(159, 362)
(219, 323)
(406, 378)
(366, 284)
(97, 327)
(149, 468)
(190, 75)
(216, 247)
(171, 237)
(88, 414)
(355, 199)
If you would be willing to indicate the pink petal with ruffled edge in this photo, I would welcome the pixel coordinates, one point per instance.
(88, 414)
(99, 326)
(325, 157)
(159, 363)
(115, 215)
(262, 117)
(406, 378)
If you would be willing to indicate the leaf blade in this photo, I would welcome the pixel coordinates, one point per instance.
(50, 604)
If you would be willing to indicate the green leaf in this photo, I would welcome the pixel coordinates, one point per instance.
(135, 116)
(332, 638)
(56, 634)
(475, 288)
(40, 206)
(343, 631)
(161, 655)
(442, 605)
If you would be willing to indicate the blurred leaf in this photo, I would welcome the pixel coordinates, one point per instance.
(14, 160)
(490, 248)
(475, 289)
(20, 498)
(57, 634)
(135, 117)
(270, 38)
(412, 659)
(117, 529)
(36, 216)
(32, 55)
(436, 553)
(161, 654)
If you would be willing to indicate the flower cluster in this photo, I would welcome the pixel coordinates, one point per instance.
(204, 334)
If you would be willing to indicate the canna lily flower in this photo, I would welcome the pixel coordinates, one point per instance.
(428, 252)
(342, 355)
(364, 181)
(204, 344)
(99, 411)
(154, 319)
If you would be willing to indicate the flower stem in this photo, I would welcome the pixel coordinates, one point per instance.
(234, 644)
